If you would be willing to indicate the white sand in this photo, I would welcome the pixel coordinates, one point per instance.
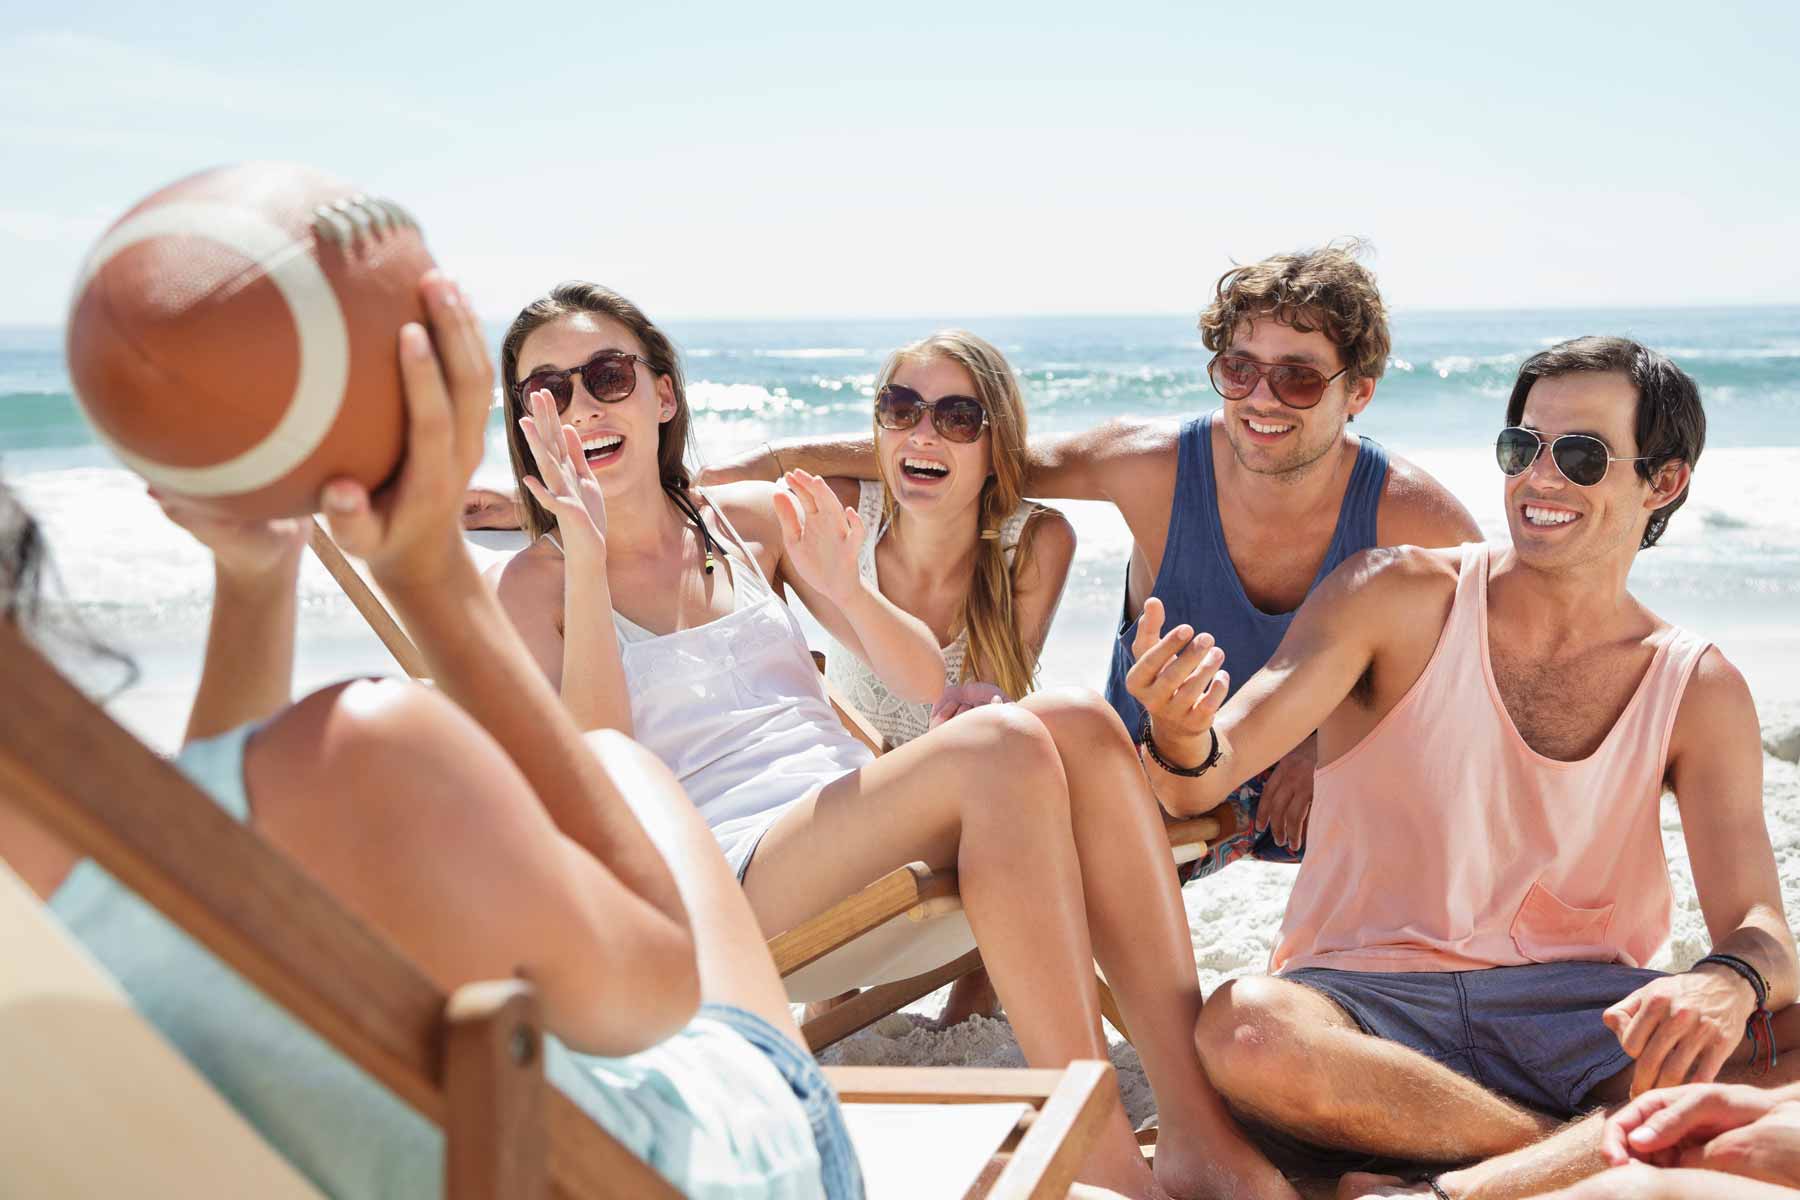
(1234, 916)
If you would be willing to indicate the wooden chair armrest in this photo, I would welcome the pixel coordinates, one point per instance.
(888, 897)
(1193, 830)
(944, 1085)
(1068, 1106)
(1044, 1164)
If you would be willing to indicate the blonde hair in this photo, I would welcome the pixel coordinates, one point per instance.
(997, 650)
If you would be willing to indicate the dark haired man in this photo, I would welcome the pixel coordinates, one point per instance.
(1461, 963)
(1236, 515)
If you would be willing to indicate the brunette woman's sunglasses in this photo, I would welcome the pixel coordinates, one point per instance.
(1234, 377)
(609, 377)
(1581, 457)
(958, 418)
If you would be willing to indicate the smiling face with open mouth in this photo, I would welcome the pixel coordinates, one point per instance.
(1270, 437)
(619, 439)
(925, 470)
(1555, 522)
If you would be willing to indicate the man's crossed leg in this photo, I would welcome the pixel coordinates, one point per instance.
(1498, 1077)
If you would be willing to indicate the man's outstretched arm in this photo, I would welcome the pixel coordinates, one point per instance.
(1095, 464)
(1334, 638)
(1683, 1028)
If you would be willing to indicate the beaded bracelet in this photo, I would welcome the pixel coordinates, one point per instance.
(1437, 1190)
(1185, 772)
(1761, 1026)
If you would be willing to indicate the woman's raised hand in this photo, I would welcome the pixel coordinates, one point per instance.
(565, 483)
(409, 532)
(820, 535)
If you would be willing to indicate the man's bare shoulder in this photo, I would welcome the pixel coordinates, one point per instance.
(1717, 703)
(1390, 581)
(1417, 510)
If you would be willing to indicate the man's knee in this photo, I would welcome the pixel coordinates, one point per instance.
(1254, 1034)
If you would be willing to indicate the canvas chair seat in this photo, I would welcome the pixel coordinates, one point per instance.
(898, 949)
(94, 1102)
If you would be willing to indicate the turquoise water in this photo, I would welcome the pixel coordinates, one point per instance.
(1445, 386)
(1730, 564)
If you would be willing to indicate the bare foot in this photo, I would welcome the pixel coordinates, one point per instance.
(1202, 1169)
(972, 995)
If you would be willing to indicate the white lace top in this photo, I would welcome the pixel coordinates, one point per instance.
(901, 720)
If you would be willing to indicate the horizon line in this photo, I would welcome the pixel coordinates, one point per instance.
(1073, 315)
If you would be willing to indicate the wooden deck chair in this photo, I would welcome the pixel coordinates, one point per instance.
(898, 939)
(470, 1062)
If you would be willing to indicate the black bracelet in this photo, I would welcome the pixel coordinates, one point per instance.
(1212, 756)
(1760, 1028)
(1437, 1190)
(1751, 975)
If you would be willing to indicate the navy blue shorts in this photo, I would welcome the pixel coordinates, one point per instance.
(1531, 1033)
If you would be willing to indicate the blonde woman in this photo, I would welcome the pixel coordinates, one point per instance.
(654, 607)
(952, 542)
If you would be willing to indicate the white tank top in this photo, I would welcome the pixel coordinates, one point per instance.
(898, 719)
(736, 707)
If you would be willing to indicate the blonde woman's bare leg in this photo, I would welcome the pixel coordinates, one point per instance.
(985, 794)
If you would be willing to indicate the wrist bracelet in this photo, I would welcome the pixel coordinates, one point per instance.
(1760, 1028)
(776, 455)
(1212, 756)
(1437, 1189)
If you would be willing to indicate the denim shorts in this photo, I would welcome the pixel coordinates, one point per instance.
(1532, 1033)
(838, 1168)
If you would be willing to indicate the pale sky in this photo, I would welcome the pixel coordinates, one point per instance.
(970, 158)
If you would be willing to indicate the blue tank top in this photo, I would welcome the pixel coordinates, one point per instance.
(1198, 584)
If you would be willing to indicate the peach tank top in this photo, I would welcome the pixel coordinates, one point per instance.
(1443, 842)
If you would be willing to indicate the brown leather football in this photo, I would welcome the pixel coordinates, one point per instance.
(233, 336)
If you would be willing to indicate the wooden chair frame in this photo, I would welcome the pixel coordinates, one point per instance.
(470, 1062)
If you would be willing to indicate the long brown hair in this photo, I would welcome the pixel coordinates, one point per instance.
(997, 650)
(567, 299)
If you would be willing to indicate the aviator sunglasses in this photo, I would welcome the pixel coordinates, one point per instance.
(1234, 377)
(1581, 457)
(958, 418)
(609, 377)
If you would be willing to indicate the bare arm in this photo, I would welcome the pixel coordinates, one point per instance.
(1102, 463)
(1332, 641)
(1715, 769)
(581, 656)
(1684, 1027)
(1097, 464)
(843, 456)
(248, 672)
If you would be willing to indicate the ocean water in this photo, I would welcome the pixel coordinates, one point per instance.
(1729, 565)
